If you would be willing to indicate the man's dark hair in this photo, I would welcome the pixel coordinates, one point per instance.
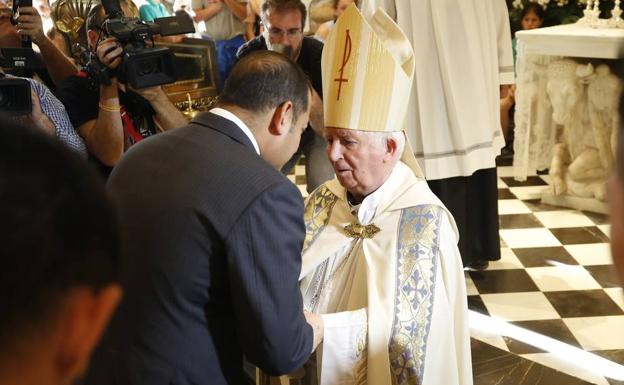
(58, 231)
(263, 80)
(285, 5)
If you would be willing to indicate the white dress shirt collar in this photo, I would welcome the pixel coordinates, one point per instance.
(236, 120)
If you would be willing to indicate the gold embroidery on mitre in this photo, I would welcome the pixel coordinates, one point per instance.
(355, 230)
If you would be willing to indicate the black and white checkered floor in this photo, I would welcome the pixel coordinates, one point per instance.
(550, 311)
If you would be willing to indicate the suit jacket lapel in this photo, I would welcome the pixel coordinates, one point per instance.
(224, 126)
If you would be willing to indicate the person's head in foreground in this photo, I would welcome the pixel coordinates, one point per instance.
(271, 94)
(59, 256)
(616, 200)
(365, 105)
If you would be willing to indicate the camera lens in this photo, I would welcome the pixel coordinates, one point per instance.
(148, 66)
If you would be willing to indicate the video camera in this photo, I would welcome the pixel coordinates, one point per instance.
(24, 58)
(142, 65)
(15, 96)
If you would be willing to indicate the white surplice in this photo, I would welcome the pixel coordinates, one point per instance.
(463, 53)
(396, 300)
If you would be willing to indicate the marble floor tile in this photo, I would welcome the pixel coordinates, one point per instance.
(536, 205)
(616, 356)
(530, 181)
(559, 278)
(475, 303)
(489, 338)
(519, 221)
(598, 333)
(512, 206)
(598, 219)
(504, 193)
(606, 275)
(504, 171)
(591, 254)
(553, 328)
(500, 183)
(546, 178)
(502, 281)
(521, 238)
(528, 192)
(617, 295)
(579, 235)
(564, 218)
(583, 303)
(519, 347)
(496, 366)
(508, 261)
(519, 306)
(303, 191)
(606, 230)
(544, 256)
(471, 289)
(555, 362)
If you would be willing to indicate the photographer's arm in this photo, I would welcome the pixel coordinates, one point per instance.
(104, 136)
(237, 8)
(59, 66)
(167, 115)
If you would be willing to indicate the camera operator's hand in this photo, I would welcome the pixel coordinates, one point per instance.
(109, 52)
(29, 24)
(37, 118)
(152, 94)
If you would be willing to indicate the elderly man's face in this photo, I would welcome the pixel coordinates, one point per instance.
(362, 161)
(283, 32)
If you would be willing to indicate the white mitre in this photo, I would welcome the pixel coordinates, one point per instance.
(368, 70)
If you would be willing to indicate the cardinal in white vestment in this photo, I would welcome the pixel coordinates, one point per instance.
(380, 259)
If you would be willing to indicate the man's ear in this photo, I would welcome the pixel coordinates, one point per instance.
(281, 120)
(391, 149)
(84, 317)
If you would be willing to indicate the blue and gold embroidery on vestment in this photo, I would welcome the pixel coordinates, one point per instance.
(418, 256)
(317, 213)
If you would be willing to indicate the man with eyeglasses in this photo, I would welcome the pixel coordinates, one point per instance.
(283, 22)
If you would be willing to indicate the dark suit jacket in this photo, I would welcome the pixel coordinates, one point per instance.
(213, 238)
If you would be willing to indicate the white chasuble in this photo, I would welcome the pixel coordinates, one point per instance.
(388, 279)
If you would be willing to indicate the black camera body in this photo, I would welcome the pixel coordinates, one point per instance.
(143, 65)
(15, 96)
(24, 58)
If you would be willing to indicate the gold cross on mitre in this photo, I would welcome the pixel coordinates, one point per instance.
(368, 68)
(357, 230)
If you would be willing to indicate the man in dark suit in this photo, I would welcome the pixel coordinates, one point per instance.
(213, 235)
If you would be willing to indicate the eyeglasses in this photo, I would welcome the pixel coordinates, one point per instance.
(276, 33)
